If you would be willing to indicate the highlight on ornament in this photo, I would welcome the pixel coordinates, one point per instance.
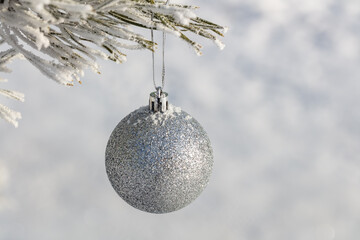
(159, 158)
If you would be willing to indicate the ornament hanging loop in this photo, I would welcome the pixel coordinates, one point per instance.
(158, 101)
(163, 53)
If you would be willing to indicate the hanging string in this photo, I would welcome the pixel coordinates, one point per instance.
(153, 51)
(163, 61)
(163, 55)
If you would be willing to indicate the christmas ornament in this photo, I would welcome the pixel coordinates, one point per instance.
(159, 158)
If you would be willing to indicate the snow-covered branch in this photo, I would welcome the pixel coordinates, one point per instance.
(63, 37)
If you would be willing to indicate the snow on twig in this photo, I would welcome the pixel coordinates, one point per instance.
(67, 36)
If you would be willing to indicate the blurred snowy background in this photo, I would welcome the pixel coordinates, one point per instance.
(280, 104)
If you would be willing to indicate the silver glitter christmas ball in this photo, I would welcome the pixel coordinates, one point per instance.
(159, 162)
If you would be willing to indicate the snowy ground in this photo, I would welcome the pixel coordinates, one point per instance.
(280, 105)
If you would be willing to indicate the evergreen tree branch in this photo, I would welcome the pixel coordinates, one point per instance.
(67, 36)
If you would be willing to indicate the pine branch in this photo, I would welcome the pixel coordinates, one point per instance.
(67, 36)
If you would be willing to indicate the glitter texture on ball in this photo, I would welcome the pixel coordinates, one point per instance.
(159, 162)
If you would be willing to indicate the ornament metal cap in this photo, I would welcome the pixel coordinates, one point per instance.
(158, 101)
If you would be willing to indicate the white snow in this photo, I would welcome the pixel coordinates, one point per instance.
(9, 115)
(220, 44)
(156, 118)
(188, 117)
